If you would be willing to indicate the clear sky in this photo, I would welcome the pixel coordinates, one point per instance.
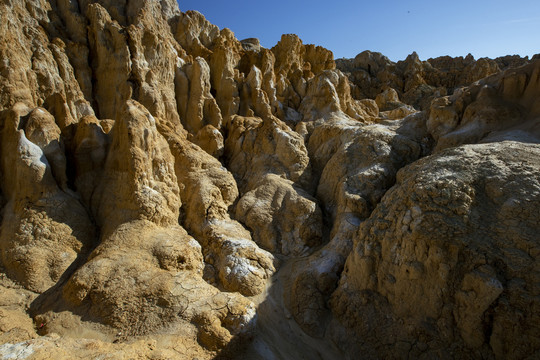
(394, 27)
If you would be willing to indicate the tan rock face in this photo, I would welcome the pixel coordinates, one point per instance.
(434, 245)
(284, 218)
(418, 82)
(499, 107)
(111, 62)
(44, 228)
(357, 165)
(90, 145)
(292, 55)
(138, 175)
(330, 92)
(168, 191)
(271, 149)
(208, 189)
(195, 34)
(136, 279)
(201, 108)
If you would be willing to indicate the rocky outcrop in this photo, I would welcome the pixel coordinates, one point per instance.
(329, 92)
(455, 237)
(357, 165)
(497, 108)
(168, 191)
(295, 65)
(271, 149)
(208, 189)
(419, 82)
(117, 182)
(198, 108)
(44, 227)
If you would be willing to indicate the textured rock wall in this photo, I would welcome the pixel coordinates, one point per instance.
(156, 174)
(419, 82)
(444, 239)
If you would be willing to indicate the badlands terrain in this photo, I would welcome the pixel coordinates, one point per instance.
(170, 192)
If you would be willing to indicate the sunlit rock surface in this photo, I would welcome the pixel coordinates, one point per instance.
(168, 191)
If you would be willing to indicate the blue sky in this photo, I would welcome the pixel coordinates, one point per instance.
(394, 27)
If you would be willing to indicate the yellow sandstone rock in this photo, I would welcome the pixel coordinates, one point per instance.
(170, 192)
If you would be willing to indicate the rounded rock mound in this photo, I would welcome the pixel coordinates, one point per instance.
(448, 261)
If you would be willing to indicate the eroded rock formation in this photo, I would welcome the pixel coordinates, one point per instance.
(168, 191)
(467, 280)
(419, 82)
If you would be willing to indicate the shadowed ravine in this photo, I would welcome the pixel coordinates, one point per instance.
(277, 335)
